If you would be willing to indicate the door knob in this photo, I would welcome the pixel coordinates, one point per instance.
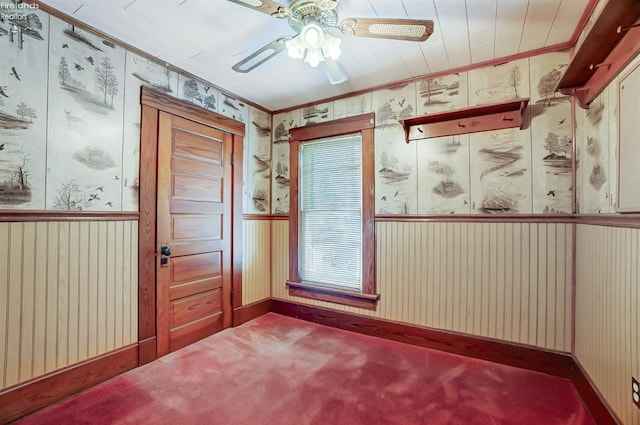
(165, 250)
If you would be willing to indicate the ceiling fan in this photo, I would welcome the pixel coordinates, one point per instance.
(314, 21)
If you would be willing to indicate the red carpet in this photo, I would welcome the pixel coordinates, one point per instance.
(276, 370)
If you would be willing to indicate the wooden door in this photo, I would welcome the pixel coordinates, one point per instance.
(193, 280)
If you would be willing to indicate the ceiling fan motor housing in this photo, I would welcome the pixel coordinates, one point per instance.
(303, 11)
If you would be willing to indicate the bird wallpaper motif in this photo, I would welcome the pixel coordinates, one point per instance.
(395, 160)
(523, 171)
(232, 107)
(70, 116)
(198, 93)
(85, 138)
(593, 157)
(139, 72)
(551, 136)
(69, 136)
(282, 123)
(257, 166)
(500, 170)
(23, 112)
(394, 103)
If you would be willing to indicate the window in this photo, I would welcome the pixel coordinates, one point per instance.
(330, 202)
(331, 227)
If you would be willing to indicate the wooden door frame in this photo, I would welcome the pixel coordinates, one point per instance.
(152, 102)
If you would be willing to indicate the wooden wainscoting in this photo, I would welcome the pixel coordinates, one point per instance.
(68, 291)
(27, 397)
(608, 312)
(509, 281)
(256, 261)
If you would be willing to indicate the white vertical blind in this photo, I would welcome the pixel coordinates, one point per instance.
(331, 212)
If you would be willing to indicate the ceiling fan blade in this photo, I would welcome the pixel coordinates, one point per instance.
(394, 29)
(260, 56)
(334, 71)
(269, 7)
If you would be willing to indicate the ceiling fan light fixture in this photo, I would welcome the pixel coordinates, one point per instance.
(314, 45)
(295, 49)
(314, 57)
(331, 47)
(312, 35)
(314, 22)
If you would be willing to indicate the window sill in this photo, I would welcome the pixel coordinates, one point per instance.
(320, 293)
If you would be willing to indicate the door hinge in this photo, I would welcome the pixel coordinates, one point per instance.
(233, 159)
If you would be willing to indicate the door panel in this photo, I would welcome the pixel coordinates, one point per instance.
(194, 226)
(196, 266)
(189, 309)
(194, 221)
(196, 188)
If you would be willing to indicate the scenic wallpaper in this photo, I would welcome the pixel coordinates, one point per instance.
(70, 116)
(70, 129)
(515, 170)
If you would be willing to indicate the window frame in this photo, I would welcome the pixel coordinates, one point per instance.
(364, 126)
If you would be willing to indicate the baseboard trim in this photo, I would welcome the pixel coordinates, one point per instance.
(147, 350)
(250, 311)
(29, 396)
(600, 411)
(554, 363)
(526, 357)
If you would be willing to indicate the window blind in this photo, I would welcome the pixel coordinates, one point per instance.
(330, 247)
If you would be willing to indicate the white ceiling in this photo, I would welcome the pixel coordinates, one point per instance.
(206, 37)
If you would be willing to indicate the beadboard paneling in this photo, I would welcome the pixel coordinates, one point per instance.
(607, 320)
(509, 281)
(256, 259)
(68, 292)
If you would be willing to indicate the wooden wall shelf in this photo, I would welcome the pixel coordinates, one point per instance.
(489, 117)
(610, 45)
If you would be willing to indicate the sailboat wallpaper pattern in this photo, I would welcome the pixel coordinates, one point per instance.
(86, 102)
(23, 112)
